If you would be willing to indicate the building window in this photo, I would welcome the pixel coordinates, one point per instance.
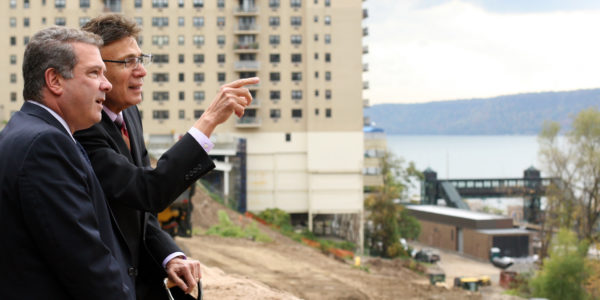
(25, 22)
(316, 93)
(181, 77)
(160, 3)
(60, 21)
(139, 21)
(26, 3)
(12, 22)
(180, 21)
(327, 39)
(199, 58)
(296, 58)
(198, 95)
(83, 21)
(275, 113)
(160, 21)
(296, 94)
(13, 59)
(273, 21)
(316, 18)
(274, 58)
(295, 3)
(327, 57)
(328, 94)
(160, 58)
(327, 20)
(327, 2)
(198, 40)
(221, 3)
(198, 3)
(137, 4)
(296, 21)
(288, 137)
(328, 113)
(221, 77)
(60, 3)
(181, 58)
(274, 76)
(316, 111)
(181, 114)
(316, 56)
(316, 37)
(328, 75)
(220, 21)
(221, 58)
(274, 40)
(180, 40)
(296, 39)
(275, 95)
(198, 21)
(13, 97)
(316, 74)
(160, 77)
(25, 40)
(181, 3)
(13, 78)
(160, 114)
(13, 3)
(160, 40)
(84, 3)
(160, 96)
(296, 76)
(13, 40)
(274, 3)
(181, 96)
(198, 77)
(296, 113)
(198, 113)
(221, 40)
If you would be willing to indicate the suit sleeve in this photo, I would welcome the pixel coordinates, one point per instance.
(144, 188)
(159, 243)
(61, 215)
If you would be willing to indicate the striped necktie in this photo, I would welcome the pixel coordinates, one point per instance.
(124, 133)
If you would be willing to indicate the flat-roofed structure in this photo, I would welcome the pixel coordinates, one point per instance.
(468, 232)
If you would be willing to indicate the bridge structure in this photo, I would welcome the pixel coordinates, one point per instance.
(531, 187)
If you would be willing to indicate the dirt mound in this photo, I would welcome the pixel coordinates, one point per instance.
(285, 269)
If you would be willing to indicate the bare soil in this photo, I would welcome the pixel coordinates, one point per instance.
(285, 269)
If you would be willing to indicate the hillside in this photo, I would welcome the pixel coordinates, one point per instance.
(512, 114)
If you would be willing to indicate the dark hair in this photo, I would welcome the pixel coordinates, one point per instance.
(112, 27)
(51, 48)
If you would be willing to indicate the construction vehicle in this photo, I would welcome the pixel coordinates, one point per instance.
(177, 218)
(472, 283)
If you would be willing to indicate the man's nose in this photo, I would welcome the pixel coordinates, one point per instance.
(105, 85)
(139, 71)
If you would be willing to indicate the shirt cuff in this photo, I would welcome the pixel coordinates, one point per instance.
(171, 256)
(201, 138)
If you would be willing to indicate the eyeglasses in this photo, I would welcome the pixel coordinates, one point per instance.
(133, 62)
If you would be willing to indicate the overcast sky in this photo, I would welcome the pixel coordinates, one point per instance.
(429, 50)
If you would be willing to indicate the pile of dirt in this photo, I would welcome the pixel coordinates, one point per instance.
(285, 269)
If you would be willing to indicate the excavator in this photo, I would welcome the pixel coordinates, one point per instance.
(177, 218)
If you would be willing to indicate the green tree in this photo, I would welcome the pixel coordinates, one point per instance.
(387, 220)
(564, 272)
(573, 199)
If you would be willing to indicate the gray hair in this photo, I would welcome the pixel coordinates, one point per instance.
(51, 48)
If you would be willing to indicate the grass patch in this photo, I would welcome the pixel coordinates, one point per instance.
(226, 228)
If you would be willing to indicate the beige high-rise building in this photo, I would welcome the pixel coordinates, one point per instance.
(304, 128)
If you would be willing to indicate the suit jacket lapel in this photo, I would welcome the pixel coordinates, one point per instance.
(115, 134)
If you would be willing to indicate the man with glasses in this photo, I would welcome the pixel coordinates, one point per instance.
(134, 190)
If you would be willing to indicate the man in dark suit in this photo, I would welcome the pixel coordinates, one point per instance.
(116, 147)
(59, 242)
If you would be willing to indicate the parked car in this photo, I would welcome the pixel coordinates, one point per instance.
(427, 255)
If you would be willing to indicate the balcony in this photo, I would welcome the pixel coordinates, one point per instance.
(366, 103)
(248, 122)
(366, 31)
(365, 67)
(246, 29)
(246, 65)
(365, 49)
(255, 103)
(365, 13)
(245, 10)
(245, 48)
(365, 85)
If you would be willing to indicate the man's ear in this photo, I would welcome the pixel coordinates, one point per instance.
(54, 81)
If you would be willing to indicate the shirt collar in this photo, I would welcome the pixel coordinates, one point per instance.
(111, 114)
(56, 116)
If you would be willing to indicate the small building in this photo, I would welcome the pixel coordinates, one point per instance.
(471, 233)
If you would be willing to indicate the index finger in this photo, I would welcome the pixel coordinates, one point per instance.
(242, 82)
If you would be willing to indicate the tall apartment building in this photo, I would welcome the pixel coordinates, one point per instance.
(304, 127)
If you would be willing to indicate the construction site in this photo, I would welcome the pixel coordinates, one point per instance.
(285, 269)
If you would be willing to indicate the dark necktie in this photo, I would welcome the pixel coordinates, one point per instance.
(124, 133)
